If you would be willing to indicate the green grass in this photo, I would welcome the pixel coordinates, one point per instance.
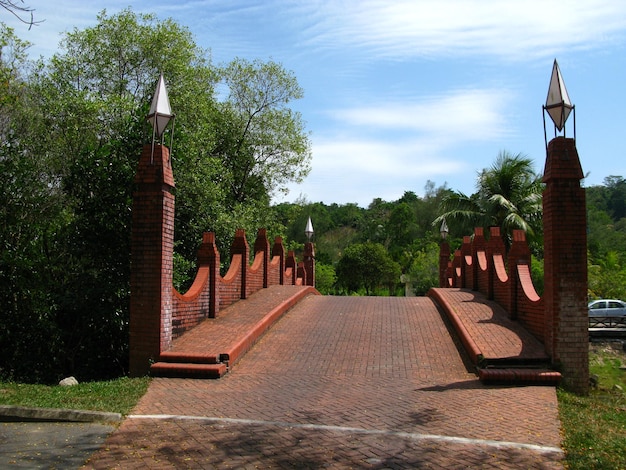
(594, 426)
(118, 396)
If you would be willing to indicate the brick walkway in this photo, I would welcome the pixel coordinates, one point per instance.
(487, 326)
(342, 382)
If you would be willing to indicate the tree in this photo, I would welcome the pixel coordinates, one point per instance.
(368, 266)
(21, 11)
(424, 270)
(72, 132)
(508, 196)
(266, 145)
(32, 212)
(325, 278)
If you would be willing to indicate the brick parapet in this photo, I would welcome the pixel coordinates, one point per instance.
(559, 318)
(158, 312)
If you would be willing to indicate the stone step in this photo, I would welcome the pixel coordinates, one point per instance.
(194, 358)
(519, 376)
(188, 370)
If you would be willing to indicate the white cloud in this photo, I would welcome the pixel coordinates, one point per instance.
(472, 114)
(504, 28)
(387, 148)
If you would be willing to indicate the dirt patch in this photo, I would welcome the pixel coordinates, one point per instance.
(616, 349)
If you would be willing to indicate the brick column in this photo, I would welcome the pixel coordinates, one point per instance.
(279, 250)
(240, 247)
(309, 263)
(466, 251)
(519, 253)
(209, 255)
(565, 264)
(290, 262)
(495, 246)
(152, 247)
(262, 245)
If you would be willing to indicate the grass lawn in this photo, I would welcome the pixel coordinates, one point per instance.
(118, 396)
(594, 427)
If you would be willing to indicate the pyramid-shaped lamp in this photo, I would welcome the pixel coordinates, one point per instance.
(558, 104)
(160, 112)
(308, 231)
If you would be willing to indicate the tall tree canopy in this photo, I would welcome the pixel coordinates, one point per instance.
(71, 132)
(269, 146)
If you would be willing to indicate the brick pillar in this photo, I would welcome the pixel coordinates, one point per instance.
(565, 264)
(466, 251)
(240, 247)
(209, 255)
(279, 250)
(290, 262)
(495, 246)
(309, 263)
(262, 245)
(444, 259)
(301, 274)
(457, 269)
(152, 247)
(479, 244)
(519, 253)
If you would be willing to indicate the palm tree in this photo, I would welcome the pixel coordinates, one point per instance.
(508, 196)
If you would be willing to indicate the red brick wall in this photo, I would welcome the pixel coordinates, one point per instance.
(151, 274)
(560, 317)
(158, 313)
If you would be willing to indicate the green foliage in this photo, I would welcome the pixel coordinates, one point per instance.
(325, 278)
(266, 146)
(404, 226)
(368, 266)
(606, 239)
(424, 270)
(508, 196)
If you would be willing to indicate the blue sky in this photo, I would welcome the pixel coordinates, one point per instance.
(405, 91)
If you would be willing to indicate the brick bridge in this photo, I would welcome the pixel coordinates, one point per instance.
(509, 333)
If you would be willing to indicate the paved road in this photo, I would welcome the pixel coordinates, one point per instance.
(49, 445)
(342, 382)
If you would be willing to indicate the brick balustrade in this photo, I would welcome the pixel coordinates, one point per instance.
(158, 312)
(559, 318)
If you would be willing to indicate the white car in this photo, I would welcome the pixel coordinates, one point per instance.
(607, 308)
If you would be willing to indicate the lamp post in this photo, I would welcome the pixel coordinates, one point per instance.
(160, 114)
(558, 104)
(309, 254)
(444, 254)
(443, 231)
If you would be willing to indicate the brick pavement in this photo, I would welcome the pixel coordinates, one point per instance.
(492, 332)
(343, 382)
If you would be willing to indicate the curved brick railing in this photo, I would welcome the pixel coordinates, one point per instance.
(210, 292)
(480, 265)
(559, 317)
(158, 312)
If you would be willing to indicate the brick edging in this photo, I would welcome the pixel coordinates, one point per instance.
(243, 345)
(470, 346)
